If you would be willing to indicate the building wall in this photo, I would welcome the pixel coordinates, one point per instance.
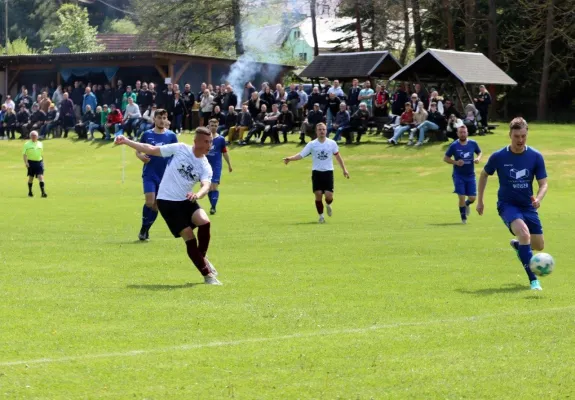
(296, 45)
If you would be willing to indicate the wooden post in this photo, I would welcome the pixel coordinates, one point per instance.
(180, 72)
(209, 74)
(171, 70)
(58, 78)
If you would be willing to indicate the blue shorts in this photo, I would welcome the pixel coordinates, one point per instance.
(216, 175)
(464, 185)
(151, 184)
(510, 213)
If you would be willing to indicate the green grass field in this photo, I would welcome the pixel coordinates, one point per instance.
(392, 298)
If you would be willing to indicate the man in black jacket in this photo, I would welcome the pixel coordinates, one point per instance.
(314, 117)
(482, 102)
(332, 106)
(285, 123)
(258, 126)
(357, 123)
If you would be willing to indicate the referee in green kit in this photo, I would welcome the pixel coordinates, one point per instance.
(34, 161)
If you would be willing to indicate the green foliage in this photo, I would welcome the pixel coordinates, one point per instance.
(73, 31)
(18, 46)
(123, 26)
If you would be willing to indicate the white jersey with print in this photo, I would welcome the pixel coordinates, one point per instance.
(183, 172)
(321, 153)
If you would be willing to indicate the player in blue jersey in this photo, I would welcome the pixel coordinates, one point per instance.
(217, 150)
(517, 165)
(154, 168)
(461, 154)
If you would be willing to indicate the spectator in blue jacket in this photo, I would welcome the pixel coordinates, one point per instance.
(89, 100)
(341, 121)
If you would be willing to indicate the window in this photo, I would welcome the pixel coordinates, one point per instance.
(303, 56)
(296, 34)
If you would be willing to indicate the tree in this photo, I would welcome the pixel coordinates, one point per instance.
(18, 46)
(122, 26)
(417, 38)
(73, 31)
(544, 85)
(406, 34)
(312, 6)
(358, 25)
(469, 18)
(237, 23)
(448, 21)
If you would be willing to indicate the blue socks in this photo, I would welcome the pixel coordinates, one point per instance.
(148, 216)
(462, 212)
(525, 255)
(214, 197)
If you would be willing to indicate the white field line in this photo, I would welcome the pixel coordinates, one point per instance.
(305, 335)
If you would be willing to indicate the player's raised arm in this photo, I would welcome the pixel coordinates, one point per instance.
(342, 165)
(140, 147)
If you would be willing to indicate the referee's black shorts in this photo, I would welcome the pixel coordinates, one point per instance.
(178, 214)
(35, 168)
(322, 181)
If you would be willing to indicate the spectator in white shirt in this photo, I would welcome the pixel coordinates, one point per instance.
(132, 117)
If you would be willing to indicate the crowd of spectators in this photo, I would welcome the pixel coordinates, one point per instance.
(271, 112)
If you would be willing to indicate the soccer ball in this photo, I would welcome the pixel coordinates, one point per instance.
(542, 264)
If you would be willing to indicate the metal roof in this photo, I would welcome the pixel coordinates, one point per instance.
(352, 65)
(467, 67)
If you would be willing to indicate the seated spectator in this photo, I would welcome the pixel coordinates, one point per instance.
(9, 123)
(405, 124)
(258, 126)
(244, 124)
(217, 114)
(99, 121)
(52, 121)
(147, 120)
(449, 109)
(419, 117)
(381, 102)
(314, 117)
(113, 122)
(332, 108)
(131, 117)
(358, 123)
(231, 120)
(2, 114)
(435, 98)
(88, 118)
(452, 125)
(434, 121)
(472, 118)
(255, 104)
(22, 120)
(37, 119)
(341, 122)
(284, 124)
(270, 120)
(128, 94)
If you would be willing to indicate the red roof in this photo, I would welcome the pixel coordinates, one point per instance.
(124, 42)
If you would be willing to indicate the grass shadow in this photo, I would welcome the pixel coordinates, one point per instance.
(306, 223)
(162, 287)
(446, 224)
(507, 288)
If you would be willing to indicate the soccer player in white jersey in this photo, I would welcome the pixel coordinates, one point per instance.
(177, 202)
(322, 150)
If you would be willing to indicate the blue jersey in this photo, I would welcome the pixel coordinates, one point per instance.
(516, 173)
(466, 153)
(157, 165)
(215, 154)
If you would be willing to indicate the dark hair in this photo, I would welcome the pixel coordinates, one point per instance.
(160, 112)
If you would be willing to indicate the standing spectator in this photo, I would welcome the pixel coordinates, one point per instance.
(314, 117)
(366, 96)
(77, 97)
(67, 113)
(58, 96)
(24, 98)
(303, 98)
(118, 94)
(293, 99)
(89, 100)
(9, 123)
(332, 108)
(421, 94)
(9, 103)
(189, 101)
(147, 119)
(177, 111)
(353, 96)
(482, 102)
(126, 96)
(438, 100)
(268, 97)
(399, 99)
(108, 95)
(206, 107)
(22, 121)
(381, 98)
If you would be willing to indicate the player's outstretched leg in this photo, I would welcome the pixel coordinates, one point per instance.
(524, 250)
(319, 206)
(328, 201)
(201, 220)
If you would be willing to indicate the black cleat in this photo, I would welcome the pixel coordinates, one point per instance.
(212, 211)
(44, 195)
(30, 194)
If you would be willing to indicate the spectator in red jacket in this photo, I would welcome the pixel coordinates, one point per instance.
(114, 120)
